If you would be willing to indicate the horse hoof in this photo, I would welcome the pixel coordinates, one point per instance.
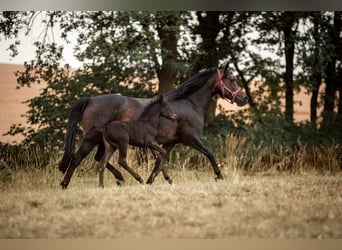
(219, 178)
(120, 183)
(64, 185)
(168, 179)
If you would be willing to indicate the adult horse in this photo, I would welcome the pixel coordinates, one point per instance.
(189, 102)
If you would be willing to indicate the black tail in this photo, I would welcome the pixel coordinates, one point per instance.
(70, 137)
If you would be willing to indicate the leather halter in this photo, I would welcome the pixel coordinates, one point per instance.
(224, 87)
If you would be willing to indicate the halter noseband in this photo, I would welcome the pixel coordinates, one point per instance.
(224, 87)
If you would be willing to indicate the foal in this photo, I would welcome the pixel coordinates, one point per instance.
(141, 132)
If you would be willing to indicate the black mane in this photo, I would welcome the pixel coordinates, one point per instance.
(190, 85)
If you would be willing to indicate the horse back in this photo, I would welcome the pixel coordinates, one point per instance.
(103, 109)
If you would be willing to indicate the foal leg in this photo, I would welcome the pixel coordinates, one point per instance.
(123, 163)
(104, 162)
(159, 162)
(82, 152)
(168, 147)
(196, 143)
(98, 157)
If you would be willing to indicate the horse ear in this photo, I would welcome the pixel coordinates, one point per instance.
(225, 72)
(160, 98)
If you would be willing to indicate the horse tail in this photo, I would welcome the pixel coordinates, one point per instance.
(75, 116)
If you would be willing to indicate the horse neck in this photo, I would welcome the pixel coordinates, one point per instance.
(201, 98)
(151, 115)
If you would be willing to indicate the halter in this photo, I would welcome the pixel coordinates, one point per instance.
(224, 87)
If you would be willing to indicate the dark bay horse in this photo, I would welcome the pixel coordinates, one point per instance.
(189, 102)
(141, 132)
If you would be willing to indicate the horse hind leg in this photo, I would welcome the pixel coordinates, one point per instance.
(82, 152)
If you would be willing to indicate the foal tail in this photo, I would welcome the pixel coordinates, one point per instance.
(70, 137)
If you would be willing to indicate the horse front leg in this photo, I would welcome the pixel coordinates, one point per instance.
(122, 161)
(159, 164)
(196, 143)
(117, 174)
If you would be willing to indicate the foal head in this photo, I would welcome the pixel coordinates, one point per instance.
(158, 108)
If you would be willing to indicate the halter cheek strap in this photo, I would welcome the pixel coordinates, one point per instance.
(224, 87)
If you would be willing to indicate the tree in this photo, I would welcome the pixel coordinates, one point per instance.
(121, 52)
(221, 39)
(316, 65)
(281, 28)
(332, 41)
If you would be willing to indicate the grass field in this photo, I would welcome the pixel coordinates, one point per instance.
(305, 205)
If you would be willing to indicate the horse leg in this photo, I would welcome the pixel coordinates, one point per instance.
(159, 165)
(99, 155)
(82, 152)
(108, 153)
(196, 143)
(123, 163)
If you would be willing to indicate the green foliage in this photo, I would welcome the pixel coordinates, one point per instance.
(125, 52)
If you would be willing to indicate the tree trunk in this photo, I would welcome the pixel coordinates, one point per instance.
(168, 29)
(208, 28)
(339, 111)
(289, 37)
(208, 56)
(330, 73)
(316, 71)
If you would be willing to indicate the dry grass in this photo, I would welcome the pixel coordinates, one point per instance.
(276, 206)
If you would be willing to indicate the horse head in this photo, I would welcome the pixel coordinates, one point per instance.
(228, 88)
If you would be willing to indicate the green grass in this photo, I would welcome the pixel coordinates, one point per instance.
(281, 205)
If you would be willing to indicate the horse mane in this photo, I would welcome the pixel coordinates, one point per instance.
(190, 85)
